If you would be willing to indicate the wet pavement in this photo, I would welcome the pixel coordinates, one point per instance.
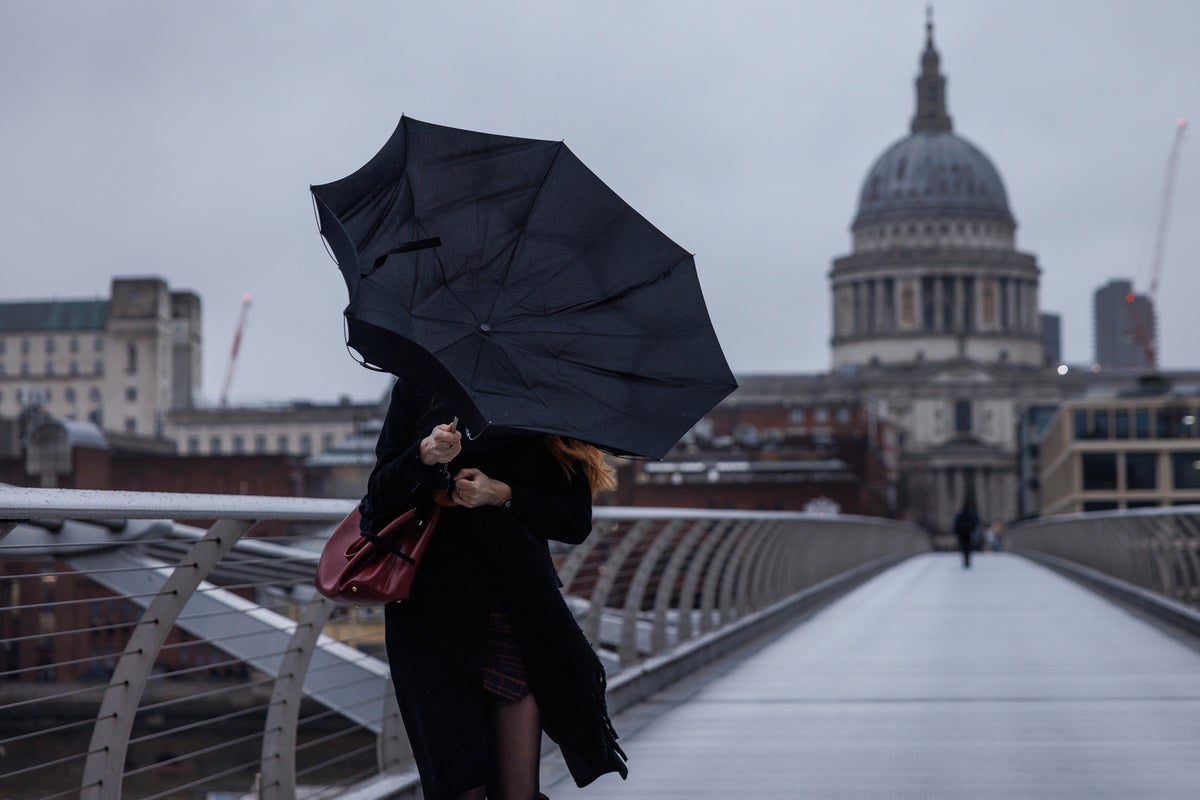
(1004, 681)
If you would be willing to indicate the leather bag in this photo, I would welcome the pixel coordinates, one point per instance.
(359, 568)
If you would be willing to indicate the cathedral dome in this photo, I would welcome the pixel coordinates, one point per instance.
(935, 275)
(932, 173)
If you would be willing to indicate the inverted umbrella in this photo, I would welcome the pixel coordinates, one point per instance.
(503, 275)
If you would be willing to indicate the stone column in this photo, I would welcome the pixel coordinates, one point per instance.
(880, 317)
(860, 308)
(960, 304)
(938, 302)
(1010, 316)
(1018, 307)
(890, 312)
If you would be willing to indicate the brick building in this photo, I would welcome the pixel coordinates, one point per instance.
(775, 454)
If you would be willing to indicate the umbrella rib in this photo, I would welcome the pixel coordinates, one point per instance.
(614, 296)
(550, 411)
(512, 256)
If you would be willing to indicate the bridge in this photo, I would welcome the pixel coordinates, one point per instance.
(169, 645)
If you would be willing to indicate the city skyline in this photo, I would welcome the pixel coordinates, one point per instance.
(180, 141)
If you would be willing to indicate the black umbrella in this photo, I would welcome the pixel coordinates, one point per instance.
(502, 274)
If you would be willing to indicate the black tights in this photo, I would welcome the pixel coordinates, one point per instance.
(517, 738)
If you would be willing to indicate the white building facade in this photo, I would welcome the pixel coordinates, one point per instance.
(121, 363)
(131, 365)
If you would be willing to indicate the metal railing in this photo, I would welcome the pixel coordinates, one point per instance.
(161, 659)
(1157, 549)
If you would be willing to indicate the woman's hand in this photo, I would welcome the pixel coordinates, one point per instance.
(473, 488)
(441, 446)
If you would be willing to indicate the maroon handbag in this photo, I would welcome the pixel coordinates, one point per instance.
(360, 568)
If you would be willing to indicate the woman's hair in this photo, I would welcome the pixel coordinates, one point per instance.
(570, 453)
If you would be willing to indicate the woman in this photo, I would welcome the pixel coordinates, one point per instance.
(485, 653)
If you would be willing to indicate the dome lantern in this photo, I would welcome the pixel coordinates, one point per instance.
(931, 112)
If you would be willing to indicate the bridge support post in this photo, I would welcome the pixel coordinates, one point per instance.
(104, 769)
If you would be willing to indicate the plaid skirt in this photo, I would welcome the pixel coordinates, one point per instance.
(503, 668)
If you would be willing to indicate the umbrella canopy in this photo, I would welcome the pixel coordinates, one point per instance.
(503, 275)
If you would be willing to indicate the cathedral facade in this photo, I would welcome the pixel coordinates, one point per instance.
(937, 311)
(935, 319)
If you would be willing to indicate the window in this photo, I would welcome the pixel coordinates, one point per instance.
(73, 368)
(1, 347)
(24, 369)
(94, 394)
(1161, 429)
(214, 445)
(1100, 505)
(238, 445)
(1100, 423)
(130, 425)
(131, 358)
(98, 367)
(281, 443)
(796, 416)
(49, 344)
(1099, 472)
(305, 444)
(821, 415)
(1080, 424)
(24, 346)
(73, 344)
(131, 394)
(70, 394)
(1, 370)
(962, 416)
(1141, 471)
(1183, 420)
(1185, 469)
(327, 441)
(49, 369)
(1141, 424)
(193, 445)
(260, 444)
(1121, 423)
(98, 344)
(843, 415)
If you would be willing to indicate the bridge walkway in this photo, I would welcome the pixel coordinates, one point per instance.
(1003, 681)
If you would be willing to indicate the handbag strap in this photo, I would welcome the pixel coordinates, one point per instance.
(385, 544)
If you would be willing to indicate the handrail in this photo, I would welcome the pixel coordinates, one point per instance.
(1153, 548)
(112, 608)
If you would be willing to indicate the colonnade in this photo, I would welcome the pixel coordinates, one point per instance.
(954, 303)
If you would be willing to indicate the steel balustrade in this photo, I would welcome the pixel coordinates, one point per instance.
(1157, 549)
(654, 590)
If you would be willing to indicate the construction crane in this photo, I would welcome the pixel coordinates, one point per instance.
(1142, 319)
(233, 354)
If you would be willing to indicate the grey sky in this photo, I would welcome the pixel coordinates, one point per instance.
(179, 139)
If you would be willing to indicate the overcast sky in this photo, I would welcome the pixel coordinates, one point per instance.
(179, 139)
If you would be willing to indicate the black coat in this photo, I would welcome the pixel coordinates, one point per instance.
(480, 558)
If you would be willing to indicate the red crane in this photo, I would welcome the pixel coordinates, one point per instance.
(233, 354)
(1143, 330)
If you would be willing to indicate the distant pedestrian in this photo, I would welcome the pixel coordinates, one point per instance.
(993, 536)
(965, 525)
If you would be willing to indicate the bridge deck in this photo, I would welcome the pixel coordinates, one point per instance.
(930, 681)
